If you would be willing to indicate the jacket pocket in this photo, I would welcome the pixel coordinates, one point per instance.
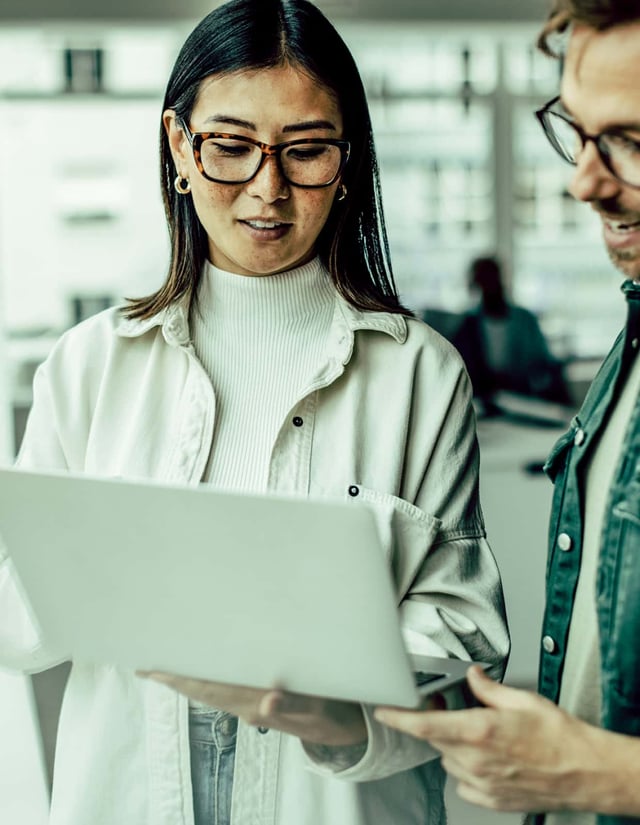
(406, 533)
(556, 467)
(618, 602)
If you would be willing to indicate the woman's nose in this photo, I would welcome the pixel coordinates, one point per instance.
(269, 184)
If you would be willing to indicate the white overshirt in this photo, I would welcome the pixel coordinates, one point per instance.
(389, 411)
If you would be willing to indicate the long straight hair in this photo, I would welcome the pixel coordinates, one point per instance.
(246, 35)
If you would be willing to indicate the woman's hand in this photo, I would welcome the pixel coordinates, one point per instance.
(310, 718)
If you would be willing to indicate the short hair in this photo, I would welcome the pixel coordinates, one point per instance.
(485, 272)
(259, 34)
(599, 14)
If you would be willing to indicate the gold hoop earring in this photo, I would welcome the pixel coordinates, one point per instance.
(182, 185)
(342, 189)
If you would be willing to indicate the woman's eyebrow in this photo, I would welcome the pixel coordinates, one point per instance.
(303, 126)
(309, 124)
(231, 121)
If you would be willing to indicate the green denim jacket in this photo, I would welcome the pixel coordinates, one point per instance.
(618, 576)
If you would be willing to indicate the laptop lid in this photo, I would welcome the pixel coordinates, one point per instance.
(256, 590)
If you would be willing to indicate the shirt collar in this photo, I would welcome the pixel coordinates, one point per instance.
(174, 321)
(391, 323)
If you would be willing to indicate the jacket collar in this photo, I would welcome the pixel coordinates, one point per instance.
(631, 289)
(391, 323)
(174, 321)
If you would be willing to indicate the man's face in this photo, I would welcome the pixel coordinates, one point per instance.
(601, 92)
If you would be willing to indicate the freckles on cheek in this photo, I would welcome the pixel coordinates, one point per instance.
(212, 208)
(216, 199)
(315, 211)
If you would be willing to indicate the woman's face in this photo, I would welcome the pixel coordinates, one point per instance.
(266, 225)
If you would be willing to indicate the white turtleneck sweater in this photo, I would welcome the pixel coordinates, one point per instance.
(260, 339)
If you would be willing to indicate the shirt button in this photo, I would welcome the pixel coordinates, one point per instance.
(263, 730)
(549, 644)
(579, 438)
(634, 343)
(565, 542)
(354, 490)
(297, 421)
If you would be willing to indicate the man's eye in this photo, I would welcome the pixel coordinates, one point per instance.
(622, 143)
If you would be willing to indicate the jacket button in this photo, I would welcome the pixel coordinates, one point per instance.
(565, 542)
(579, 438)
(549, 644)
(297, 421)
(354, 490)
(263, 730)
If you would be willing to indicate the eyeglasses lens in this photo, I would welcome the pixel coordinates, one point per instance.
(307, 164)
(563, 136)
(619, 153)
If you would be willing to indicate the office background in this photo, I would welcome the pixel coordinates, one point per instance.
(465, 171)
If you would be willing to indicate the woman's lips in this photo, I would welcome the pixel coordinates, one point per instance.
(266, 230)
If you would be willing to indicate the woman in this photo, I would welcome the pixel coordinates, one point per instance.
(276, 357)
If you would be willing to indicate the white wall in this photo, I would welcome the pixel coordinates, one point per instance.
(24, 796)
(6, 429)
(84, 215)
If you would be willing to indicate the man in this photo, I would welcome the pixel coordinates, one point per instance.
(573, 754)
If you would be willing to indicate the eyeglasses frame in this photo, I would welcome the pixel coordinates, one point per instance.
(585, 137)
(196, 139)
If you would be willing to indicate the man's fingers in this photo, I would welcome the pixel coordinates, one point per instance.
(434, 725)
(493, 694)
(157, 676)
(270, 704)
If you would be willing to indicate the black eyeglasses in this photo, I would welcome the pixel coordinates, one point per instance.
(619, 152)
(307, 162)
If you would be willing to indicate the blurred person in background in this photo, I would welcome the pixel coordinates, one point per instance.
(502, 344)
(572, 755)
(275, 358)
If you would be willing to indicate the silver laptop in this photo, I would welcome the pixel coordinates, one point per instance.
(255, 590)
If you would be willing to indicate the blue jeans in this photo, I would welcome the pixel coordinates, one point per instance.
(212, 739)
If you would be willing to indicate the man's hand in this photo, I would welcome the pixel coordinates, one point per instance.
(311, 718)
(522, 753)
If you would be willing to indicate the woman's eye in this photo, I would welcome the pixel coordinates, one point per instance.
(310, 152)
(227, 148)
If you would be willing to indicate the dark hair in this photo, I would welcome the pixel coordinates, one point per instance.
(254, 34)
(485, 273)
(485, 270)
(599, 14)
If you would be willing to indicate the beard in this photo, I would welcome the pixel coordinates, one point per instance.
(627, 260)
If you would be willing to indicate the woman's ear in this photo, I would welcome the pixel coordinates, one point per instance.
(177, 141)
